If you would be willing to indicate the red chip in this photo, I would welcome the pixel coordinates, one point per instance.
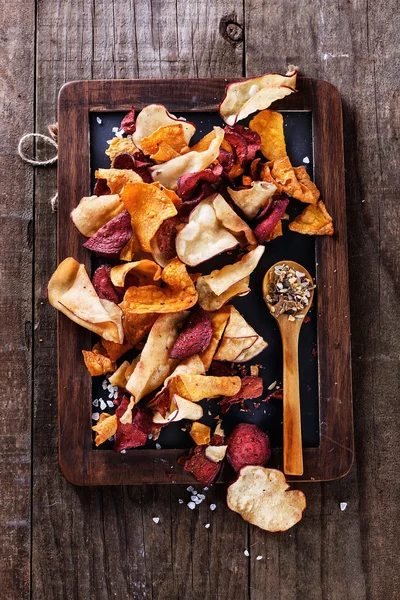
(203, 469)
(128, 122)
(101, 188)
(132, 435)
(225, 159)
(195, 337)
(194, 185)
(137, 162)
(222, 369)
(102, 284)
(275, 212)
(161, 402)
(165, 237)
(237, 142)
(252, 139)
(247, 445)
(252, 387)
(124, 160)
(112, 237)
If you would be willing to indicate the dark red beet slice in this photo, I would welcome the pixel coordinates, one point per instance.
(165, 238)
(195, 337)
(112, 237)
(225, 159)
(128, 122)
(190, 184)
(252, 139)
(137, 162)
(275, 212)
(238, 144)
(247, 445)
(251, 387)
(102, 284)
(101, 188)
(203, 469)
(124, 160)
(132, 435)
(161, 402)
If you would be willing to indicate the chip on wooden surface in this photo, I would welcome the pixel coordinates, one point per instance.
(269, 126)
(262, 497)
(314, 220)
(95, 211)
(117, 178)
(105, 428)
(165, 143)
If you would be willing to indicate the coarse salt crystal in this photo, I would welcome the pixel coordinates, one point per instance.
(104, 384)
(112, 438)
(95, 402)
(95, 416)
(109, 142)
(110, 388)
(114, 129)
(156, 519)
(213, 506)
(103, 405)
(158, 446)
(98, 120)
(343, 506)
(201, 496)
(191, 505)
(190, 489)
(205, 489)
(115, 395)
(207, 525)
(306, 160)
(110, 403)
(180, 501)
(246, 553)
(259, 557)
(123, 451)
(150, 436)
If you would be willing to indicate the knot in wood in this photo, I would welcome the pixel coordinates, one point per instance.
(234, 32)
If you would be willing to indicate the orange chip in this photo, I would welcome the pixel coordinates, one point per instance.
(310, 190)
(269, 126)
(105, 428)
(117, 178)
(115, 351)
(197, 387)
(146, 271)
(131, 248)
(136, 326)
(276, 232)
(236, 168)
(294, 181)
(97, 362)
(179, 293)
(118, 145)
(246, 180)
(170, 193)
(165, 143)
(149, 206)
(200, 434)
(204, 143)
(314, 220)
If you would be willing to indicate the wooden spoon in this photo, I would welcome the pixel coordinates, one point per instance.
(290, 330)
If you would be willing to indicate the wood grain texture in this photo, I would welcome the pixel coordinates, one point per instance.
(16, 250)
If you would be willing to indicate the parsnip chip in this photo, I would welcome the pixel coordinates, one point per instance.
(154, 116)
(219, 281)
(261, 496)
(95, 211)
(148, 206)
(178, 294)
(165, 143)
(191, 162)
(219, 319)
(252, 200)
(269, 126)
(240, 341)
(182, 409)
(145, 270)
(200, 433)
(121, 375)
(106, 427)
(198, 387)
(71, 292)
(314, 220)
(210, 301)
(216, 453)
(97, 361)
(204, 235)
(154, 365)
(117, 178)
(118, 145)
(245, 97)
(287, 177)
(233, 223)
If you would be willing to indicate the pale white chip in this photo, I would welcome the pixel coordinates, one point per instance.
(252, 200)
(154, 116)
(216, 453)
(93, 212)
(240, 341)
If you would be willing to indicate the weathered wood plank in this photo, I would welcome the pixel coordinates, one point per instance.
(16, 248)
(351, 45)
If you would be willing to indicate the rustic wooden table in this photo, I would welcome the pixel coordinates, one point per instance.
(59, 541)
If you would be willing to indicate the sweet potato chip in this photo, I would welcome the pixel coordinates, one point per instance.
(314, 220)
(118, 145)
(240, 342)
(204, 236)
(216, 453)
(204, 143)
(71, 292)
(95, 211)
(148, 206)
(110, 239)
(219, 319)
(105, 428)
(117, 178)
(252, 200)
(261, 497)
(195, 337)
(145, 270)
(154, 116)
(245, 97)
(269, 126)
(168, 173)
(97, 361)
(233, 223)
(178, 294)
(276, 232)
(155, 364)
(132, 248)
(136, 326)
(198, 387)
(115, 351)
(211, 302)
(180, 409)
(200, 433)
(310, 191)
(285, 175)
(165, 143)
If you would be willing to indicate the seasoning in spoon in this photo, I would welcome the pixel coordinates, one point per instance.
(289, 291)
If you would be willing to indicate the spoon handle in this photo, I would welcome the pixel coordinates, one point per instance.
(292, 442)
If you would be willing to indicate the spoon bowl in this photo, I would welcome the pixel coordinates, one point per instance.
(289, 326)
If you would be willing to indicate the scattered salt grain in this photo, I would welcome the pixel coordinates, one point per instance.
(150, 436)
(95, 402)
(114, 129)
(95, 416)
(306, 160)
(190, 489)
(112, 438)
(207, 525)
(201, 497)
(272, 385)
(110, 403)
(259, 557)
(191, 505)
(158, 446)
(98, 120)
(103, 405)
(180, 501)
(123, 451)
(246, 553)
(213, 506)
(115, 395)
(109, 142)
(156, 519)
(205, 489)
(104, 384)
(343, 506)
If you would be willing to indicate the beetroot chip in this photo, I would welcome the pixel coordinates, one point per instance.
(238, 144)
(204, 470)
(112, 237)
(101, 281)
(192, 185)
(124, 160)
(132, 435)
(195, 337)
(137, 162)
(161, 402)
(165, 237)
(252, 139)
(128, 122)
(222, 369)
(101, 188)
(252, 387)
(225, 159)
(275, 212)
(247, 445)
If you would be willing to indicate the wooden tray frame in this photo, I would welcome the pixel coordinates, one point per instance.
(79, 461)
